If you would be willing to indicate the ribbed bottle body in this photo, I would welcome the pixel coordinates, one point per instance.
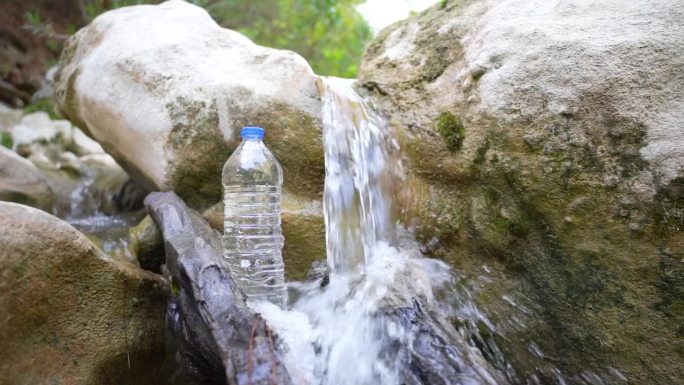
(253, 239)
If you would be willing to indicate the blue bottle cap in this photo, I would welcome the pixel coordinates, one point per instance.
(252, 132)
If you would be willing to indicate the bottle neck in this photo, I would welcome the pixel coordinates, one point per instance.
(251, 138)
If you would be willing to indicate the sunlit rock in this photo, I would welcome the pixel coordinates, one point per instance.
(165, 90)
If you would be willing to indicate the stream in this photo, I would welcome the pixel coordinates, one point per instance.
(109, 230)
(381, 313)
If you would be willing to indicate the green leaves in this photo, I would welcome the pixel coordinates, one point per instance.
(6, 139)
(330, 34)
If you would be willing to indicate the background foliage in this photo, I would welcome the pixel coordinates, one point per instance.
(330, 34)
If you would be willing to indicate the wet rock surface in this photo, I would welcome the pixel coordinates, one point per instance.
(550, 158)
(219, 340)
(72, 315)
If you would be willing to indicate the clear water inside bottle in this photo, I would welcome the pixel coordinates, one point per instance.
(253, 240)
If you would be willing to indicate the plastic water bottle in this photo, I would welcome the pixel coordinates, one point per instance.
(252, 238)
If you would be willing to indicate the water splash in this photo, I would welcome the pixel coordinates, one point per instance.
(377, 318)
(337, 334)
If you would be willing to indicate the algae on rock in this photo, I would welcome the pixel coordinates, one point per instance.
(566, 180)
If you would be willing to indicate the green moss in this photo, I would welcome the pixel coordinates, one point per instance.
(669, 207)
(492, 194)
(501, 224)
(147, 245)
(434, 66)
(590, 281)
(671, 285)
(5, 139)
(670, 216)
(452, 130)
(296, 139)
(481, 153)
(518, 226)
(304, 243)
(43, 105)
(175, 287)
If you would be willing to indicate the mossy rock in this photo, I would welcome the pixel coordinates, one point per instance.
(452, 130)
(147, 244)
(564, 193)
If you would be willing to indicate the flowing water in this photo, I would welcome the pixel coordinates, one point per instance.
(87, 213)
(359, 179)
(376, 312)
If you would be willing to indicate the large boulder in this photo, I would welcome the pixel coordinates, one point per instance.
(70, 315)
(165, 90)
(546, 143)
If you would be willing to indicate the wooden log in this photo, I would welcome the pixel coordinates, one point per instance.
(218, 339)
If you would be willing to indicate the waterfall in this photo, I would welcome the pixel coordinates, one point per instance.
(358, 178)
(375, 320)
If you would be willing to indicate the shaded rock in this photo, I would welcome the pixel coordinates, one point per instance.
(219, 340)
(130, 196)
(303, 228)
(147, 244)
(22, 182)
(304, 232)
(169, 107)
(587, 104)
(70, 314)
